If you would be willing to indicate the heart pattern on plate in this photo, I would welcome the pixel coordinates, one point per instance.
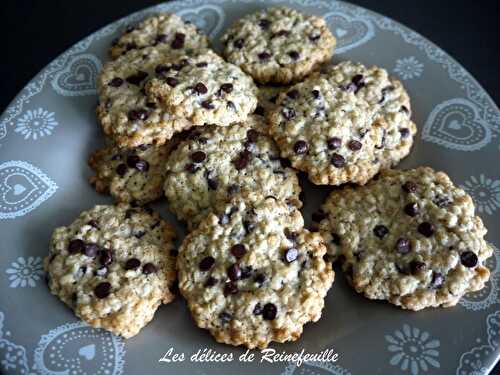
(208, 18)
(23, 187)
(78, 78)
(83, 349)
(350, 32)
(456, 124)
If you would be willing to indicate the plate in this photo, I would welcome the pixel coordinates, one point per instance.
(50, 128)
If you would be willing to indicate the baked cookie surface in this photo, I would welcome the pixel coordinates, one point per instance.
(113, 266)
(204, 90)
(408, 237)
(129, 175)
(216, 163)
(278, 45)
(165, 29)
(387, 98)
(252, 274)
(125, 113)
(327, 132)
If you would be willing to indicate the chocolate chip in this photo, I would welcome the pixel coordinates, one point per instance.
(223, 219)
(115, 82)
(75, 246)
(151, 105)
(161, 69)
(246, 272)
(293, 94)
(233, 189)
(260, 278)
(238, 250)
(259, 110)
(212, 183)
(405, 132)
(409, 187)
(404, 109)
(358, 79)
(201, 64)
(248, 225)
(291, 255)
(130, 46)
(292, 236)
(90, 250)
(252, 135)
(198, 156)
(137, 78)
(269, 312)
(411, 209)
(200, 88)
(437, 280)
(230, 288)
(132, 264)
(242, 160)
(93, 223)
(178, 41)
(142, 166)
(468, 259)
(380, 231)
(315, 94)
(121, 169)
(383, 93)
(337, 161)
(314, 37)
(171, 81)
(211, 281)
(335, 239)
(225, 317)
(354, 145)
(191, 168)
(207, 104)
(264, 23)
(403, 246)
(227, 87)
(206, 263)
(149, 268)
(334, 143)
(161, 38)
(441, 201)
(234, 272)
(264, 55)
(427, 229)
(300, 147)
(238, 43)
(132, 160)
(416, 267)
(294, 55)
(102, 290)
(257, 310)
(105, 257)
(137, 114)
(288, 113)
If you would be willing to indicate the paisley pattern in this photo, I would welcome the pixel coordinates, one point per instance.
(475, 361)
(23, 187)
(456, 124)
(78, 78)
(350, 32)
(80, 349)
(208, 18)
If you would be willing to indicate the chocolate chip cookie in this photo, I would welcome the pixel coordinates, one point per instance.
(130, 175)
(215, 163)
(408, 237)
(164, 29)
(327, 132)
(252, 274)
(114, 265)
(204, 89)
(278, 45)
(125, 113)
(387, 98)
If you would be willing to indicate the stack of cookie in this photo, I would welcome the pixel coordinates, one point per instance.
(222, 138)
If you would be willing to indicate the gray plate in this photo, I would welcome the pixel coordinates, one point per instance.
(50, 128)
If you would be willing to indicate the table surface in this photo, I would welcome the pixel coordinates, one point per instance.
(37, 31)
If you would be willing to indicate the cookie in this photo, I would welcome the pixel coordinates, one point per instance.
(408, 237)
(126, 115)
(267, 96)
(252, 274)
(216, 163)
(327, 132)
(165, 29)
(114, 265)
(387, 97)
(129, 175)
(278, 45)
(204, 90)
